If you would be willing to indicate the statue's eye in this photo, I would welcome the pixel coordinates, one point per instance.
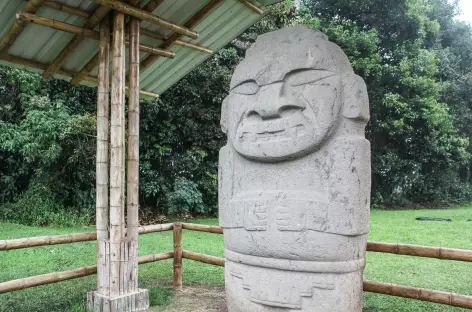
(305, 77)
(247, 88)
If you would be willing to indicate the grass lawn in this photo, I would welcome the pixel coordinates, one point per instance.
(386, 226)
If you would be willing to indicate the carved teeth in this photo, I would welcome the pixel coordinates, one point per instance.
(289, 128)
(247, 137)
(268, 136)
(300, 130)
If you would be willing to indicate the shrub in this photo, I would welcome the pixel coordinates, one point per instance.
(38, 207)
(185, 198)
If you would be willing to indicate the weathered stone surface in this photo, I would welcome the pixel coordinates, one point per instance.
(137, 301)
(294, 177)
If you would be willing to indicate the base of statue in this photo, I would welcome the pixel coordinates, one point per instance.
(274, 285)
(134, 302)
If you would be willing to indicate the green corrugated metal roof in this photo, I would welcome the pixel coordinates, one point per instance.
(221, 25)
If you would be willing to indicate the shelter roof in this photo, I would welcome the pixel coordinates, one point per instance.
(28, 41)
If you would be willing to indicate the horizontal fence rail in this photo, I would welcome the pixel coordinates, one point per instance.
(422, 294)
(441, 297)
(187, 254)
(56, 277)
(29, 242)
(202, 228)
(421, 251)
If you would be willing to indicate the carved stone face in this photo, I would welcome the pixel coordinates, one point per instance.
(284, 118)
(285, 98)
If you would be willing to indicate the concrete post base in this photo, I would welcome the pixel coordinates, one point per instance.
(134, 302)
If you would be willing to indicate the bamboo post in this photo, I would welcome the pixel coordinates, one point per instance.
(178, 256)
(102, 155)
(117, 154)
(133, 151)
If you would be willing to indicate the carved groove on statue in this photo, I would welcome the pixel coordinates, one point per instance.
(296, 265)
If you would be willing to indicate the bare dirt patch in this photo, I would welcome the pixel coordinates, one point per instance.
(199, 299)
(196, 299)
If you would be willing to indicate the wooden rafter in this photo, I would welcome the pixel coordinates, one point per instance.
(252, 6)
(67, 8)
(150, 7)
(15, 30)
(41, 66)
(51, 23)
(93, 21)
(149, 17)
(143, 31)
(192, 22)
(155, 35)
(47, 22)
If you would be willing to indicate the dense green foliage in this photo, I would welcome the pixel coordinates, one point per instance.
(414, 56)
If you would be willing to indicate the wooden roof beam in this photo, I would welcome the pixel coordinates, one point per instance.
(146, 16)
(41, 66)
(17, 27)
(150, 7)
(93, 21)
(192, 22)
(47, 22)
(155, 35)
(67, 8)
(252, 6)
(51, 23)
(145, 32)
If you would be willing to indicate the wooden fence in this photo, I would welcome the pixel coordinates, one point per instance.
(178, 254)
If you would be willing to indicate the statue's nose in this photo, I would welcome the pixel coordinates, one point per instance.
(272, 101)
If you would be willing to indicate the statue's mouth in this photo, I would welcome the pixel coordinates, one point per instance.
(278, 129)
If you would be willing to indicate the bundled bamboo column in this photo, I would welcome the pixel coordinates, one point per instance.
(133, 152)
(178, 256)
(102, 154)
(117, 154)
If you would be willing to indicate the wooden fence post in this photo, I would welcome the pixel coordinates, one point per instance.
(178, 256)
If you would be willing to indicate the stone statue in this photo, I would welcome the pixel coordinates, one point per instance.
(294, 177)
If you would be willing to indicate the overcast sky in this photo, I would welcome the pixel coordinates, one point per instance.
(466, 6)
